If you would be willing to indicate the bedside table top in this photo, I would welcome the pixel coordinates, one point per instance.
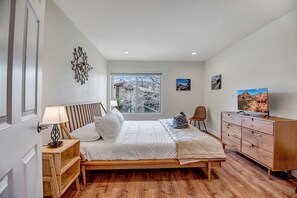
(66, 144)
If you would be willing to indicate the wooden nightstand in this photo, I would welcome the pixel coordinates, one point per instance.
(60, 167)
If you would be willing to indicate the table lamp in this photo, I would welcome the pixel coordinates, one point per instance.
(113, 103)
(55, 115)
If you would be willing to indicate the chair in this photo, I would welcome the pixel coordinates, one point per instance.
(199, 115)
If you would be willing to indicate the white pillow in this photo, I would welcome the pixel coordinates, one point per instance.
(108, 127)
(119, 115)
(86, 133)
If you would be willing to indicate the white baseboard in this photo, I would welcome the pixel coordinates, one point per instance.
(215, 133)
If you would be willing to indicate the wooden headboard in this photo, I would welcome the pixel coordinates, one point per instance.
(80, 115)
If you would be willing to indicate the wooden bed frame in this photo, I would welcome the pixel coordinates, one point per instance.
(80, 115)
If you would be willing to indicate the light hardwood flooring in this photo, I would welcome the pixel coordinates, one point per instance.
(238, 177)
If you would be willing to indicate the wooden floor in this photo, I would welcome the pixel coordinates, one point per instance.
(238, 177)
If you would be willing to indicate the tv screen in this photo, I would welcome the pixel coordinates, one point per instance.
(254, 100)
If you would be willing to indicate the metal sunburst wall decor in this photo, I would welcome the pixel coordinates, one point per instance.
(80, 65)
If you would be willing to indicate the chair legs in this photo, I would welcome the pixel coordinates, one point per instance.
(199, 124)
(204, 126)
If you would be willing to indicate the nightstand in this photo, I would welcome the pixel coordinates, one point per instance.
(60, 167)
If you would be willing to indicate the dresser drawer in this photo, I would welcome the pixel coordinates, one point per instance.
(258, 139)
(258, 125)
(231, 118)
(258, 153)
(231, 140)
(231, 129)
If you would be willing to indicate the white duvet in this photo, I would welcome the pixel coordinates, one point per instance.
(137, 140)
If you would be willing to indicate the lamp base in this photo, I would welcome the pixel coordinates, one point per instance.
(55, 144)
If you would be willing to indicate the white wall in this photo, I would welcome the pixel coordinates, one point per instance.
(173, 101)
(267, 58)
(61, 36)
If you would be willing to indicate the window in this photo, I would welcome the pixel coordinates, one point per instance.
(137, 93)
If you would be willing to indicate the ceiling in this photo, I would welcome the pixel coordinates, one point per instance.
(170, 30)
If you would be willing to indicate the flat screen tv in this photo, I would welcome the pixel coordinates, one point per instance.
(253, 100)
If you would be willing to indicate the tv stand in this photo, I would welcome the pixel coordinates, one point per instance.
(267, 115)
(243, 113)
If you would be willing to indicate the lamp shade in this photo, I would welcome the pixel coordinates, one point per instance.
(54, 115)
(113, 103)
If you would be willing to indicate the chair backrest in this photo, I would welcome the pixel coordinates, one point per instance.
(200, 112)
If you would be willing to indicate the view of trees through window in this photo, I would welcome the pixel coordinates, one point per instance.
(137, 93)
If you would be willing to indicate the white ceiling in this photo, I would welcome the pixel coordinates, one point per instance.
(170, 30)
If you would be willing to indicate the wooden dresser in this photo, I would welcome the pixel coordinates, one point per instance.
(271, 141)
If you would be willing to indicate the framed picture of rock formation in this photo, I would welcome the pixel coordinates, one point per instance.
(216, 82)
(183, 84)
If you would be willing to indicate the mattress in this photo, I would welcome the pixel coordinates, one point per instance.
(137, 140)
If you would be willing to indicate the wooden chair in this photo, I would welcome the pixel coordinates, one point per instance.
(199, 115)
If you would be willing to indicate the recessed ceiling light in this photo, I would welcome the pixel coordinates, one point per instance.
(194, 53)
(126, 52)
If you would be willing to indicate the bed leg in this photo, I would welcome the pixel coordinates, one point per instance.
(209, 170)
(83, 170)
(290, 174)
(77, 184)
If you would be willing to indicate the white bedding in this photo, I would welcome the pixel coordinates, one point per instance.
(137, 140)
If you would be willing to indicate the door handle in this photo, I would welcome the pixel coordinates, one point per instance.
(41, 127)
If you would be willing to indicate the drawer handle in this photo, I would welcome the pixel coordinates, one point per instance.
(228, 135)
(252, 119)
(249, 144)
(256, 134)
(228, 114)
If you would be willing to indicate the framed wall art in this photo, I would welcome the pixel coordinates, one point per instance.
(216, 82)
(183, 84)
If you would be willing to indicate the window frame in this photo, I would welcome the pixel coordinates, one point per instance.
(139, 74)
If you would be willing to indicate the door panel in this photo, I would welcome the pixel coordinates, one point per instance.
(4, 37)
(4, 187)
(30, 66)
(20, 144)
(30, 166)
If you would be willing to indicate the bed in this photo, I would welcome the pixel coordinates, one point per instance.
(161, 146)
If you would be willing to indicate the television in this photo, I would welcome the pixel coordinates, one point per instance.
(253, 100)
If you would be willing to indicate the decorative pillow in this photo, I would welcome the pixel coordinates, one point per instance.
(119, 115)
(108, 127)
(86, 133)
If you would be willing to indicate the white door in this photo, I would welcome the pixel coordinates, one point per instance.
(21, 30)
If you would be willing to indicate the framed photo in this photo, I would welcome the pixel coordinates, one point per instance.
(216, 82)
(183, 84)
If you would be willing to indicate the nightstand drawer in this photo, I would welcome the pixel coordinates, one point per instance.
(231, 118)
(258, 139)
(258, 153)
(258, 125)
